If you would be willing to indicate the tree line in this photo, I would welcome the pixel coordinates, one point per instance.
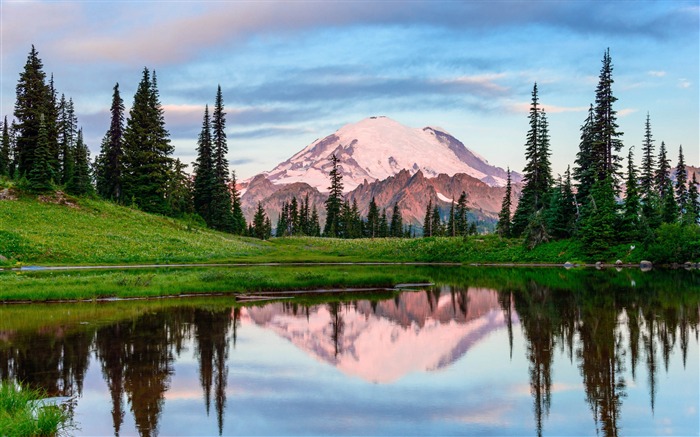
(605, 205)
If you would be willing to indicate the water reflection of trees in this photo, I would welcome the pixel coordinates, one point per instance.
(591, 324)
(136, 357)
(601, 328)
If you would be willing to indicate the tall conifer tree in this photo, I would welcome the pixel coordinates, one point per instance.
(109, 165)
(537, 175)
(204, 184)
(396, 227)
(428, 220)
(585, 170)
(334, 201)
(461, 215)
(239, 223)
(33, 100)
(646, 179)
(222, 206)
(147, 150)
(607, 142)
(693, 214)
(681, 181)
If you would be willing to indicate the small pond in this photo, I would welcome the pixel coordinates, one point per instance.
(490, 351)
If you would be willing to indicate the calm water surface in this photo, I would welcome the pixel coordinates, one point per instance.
(523, 353)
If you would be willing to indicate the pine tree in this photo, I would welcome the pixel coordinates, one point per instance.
(179, 190)
(147, 149)
(663, 171)
(41, 175)
(630, 218)
(503, 225)
(646, 179)
(5, 147)
(372, 228)
(537, 173)
(239, 223)
(334, 201)
(561, 216)
(664, 184)
(261, 227)
(599, 221)
(222, 206)
(205, 174)
(80, 183)
(396, 227)
(109, 163)
(461, 215)
(451, 229)
(428, 220)
(52, 127)
(585, 170)
(314, 226)
(383, 225)
(33, 101)
(436, 226)
(67, 136)
(606, 135)
(681, 181)
(693, 214)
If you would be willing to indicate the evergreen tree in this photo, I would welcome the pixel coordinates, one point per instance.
(239, 223)
(461, 214)
(261, 227)
(503, 225)
(681, 181)
(663, 171)
(396, 227)
(147, 150)
(222, 216)
(630, 218)
(372, 227)
(383, 225)
(692, 215)
(561, 217)
(179, 190)
(599, 221)
(667, 200)
(606, 135)
(334, 201)
(52, 127)
(109, 163)
(204, 183)
(585, 170)
(33, 101)
(646, 179)
(41, 175)
(451, 229)
(67, 136)
(314, 225)
(428, 220)
(80, 183)
(537, 175)
(436, 225)
(5, 147)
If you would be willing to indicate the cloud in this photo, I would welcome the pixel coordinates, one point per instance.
(625, 112)
(272, 131)
(653, 73)
(684, 83)
(161, 33)
(524, 108)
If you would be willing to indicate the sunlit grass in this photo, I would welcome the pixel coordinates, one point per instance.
(22, 415)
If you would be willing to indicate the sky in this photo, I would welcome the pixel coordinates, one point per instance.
(295, 71)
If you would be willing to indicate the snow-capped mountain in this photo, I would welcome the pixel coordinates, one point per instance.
(378, 147)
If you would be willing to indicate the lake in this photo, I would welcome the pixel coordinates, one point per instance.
(484, 351)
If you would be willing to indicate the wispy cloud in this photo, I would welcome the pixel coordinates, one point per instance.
(684, 83)
(524, 108)
(626, 111)
(659, 73)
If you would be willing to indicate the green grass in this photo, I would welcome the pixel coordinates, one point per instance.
(39, 286)
(21, 415)
(94, 232)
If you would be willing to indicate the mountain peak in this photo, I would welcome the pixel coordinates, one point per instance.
(378, 147)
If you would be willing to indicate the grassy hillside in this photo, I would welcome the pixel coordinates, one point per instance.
(59, 230)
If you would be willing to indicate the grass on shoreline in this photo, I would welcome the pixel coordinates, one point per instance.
(37, 286)
(22, 415)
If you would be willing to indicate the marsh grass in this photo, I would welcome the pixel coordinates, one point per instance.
(22, 415)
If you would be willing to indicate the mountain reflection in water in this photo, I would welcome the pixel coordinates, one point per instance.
(383, 341)
(617, 344)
